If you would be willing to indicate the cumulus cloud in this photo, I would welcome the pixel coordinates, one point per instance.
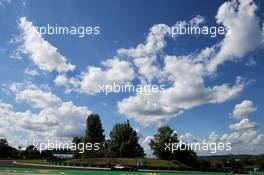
(116, 71)
(36, 97)
(244, 124)
(61, 80)
(241, 142)
(147, 109)
(41, 52)
(243, 110)
(245, 142)
(187, 73)
(144, 54)
(246, 35)
(189, 137)
(31, 72)
(184, 75)
(154, 43)
(55, 120)
(188, 91)
(144, 142)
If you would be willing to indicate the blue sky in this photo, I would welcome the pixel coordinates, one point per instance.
(214, 85)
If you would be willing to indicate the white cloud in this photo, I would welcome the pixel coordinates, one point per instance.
(244, 124)
(246, 139)
(37, 97)
(188, 91)
(55, 120)
(246, 35)
(243, 110)
(188, 137)
(245, 142)
(187, 73)
(146, 68)
(116, 71)
(213, 137)
(31, 72)
(147, 109)
(41, 52)
(61, 80)
(154, 43)
(144, 142)
(144, 54)
(241, 142)
(196, 21)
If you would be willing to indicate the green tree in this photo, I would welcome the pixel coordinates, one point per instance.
(167, 136)
(31, 148)
(31, 152)
(94, 134)
(5, 149)
(124, 141)
(94, 130)
(157, 144)
(77, 140)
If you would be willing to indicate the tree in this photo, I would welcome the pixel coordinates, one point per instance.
(167, 136)
(3, 142)
(157, 144)
(187, 157)
(94, 135)
(31, 148)
(31, 152)
(94, 130)
(5, 149)
(124, 141)
(77, 140)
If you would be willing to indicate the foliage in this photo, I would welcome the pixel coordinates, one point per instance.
(124, 141)
(5, 149)
(157, 144)
(165, 136)
(94, 130)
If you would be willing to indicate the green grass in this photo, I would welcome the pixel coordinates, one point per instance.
(86, 172)
(42, 162)
(161, 163)
(125, 161)
(129, 161)
(114, 161)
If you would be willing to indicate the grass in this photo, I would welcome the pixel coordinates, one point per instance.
(129, 161)
(42, 162)
(86, 172)
(114, 161)
(100, 161)
(161, 163)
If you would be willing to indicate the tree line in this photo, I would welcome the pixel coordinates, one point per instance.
(123, 142)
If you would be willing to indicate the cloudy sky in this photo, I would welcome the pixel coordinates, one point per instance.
(214, 85)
